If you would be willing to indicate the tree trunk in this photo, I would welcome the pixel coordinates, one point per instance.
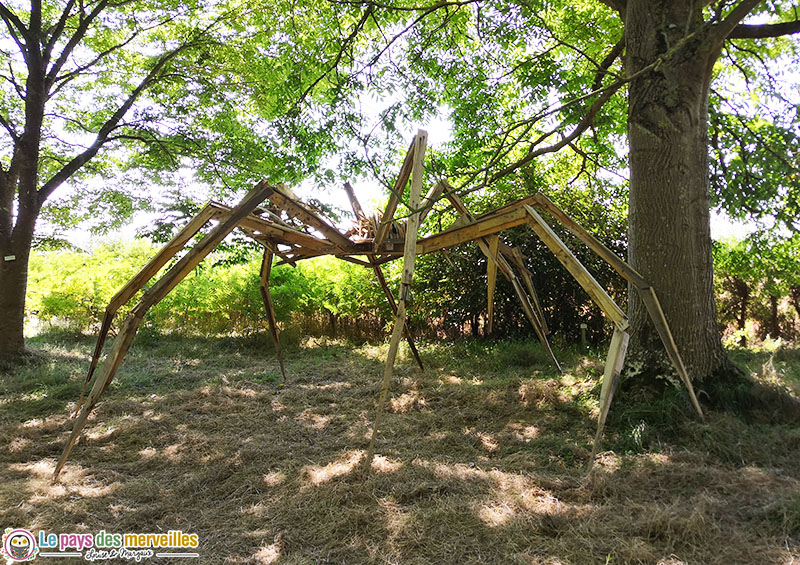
(13, 286)
(743, 291)
(774, 323)
(669, 220)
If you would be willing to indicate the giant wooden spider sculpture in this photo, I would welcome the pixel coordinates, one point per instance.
(294, 231)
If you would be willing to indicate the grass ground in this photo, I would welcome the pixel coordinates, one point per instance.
(481, 458)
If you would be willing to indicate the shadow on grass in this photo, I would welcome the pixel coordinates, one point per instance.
(475, 464)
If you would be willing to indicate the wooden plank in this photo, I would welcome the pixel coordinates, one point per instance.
(629, 273)
(354, 203)
(396, 194)
(519, 260)
(298, 210)
(491, 275)
(266, 298)
(653, 305)
(577, 270)
(430, 199)
(409, 257)
(154, 295)
(285, 234)
(393, 305)
(487, 226)
(613, 368)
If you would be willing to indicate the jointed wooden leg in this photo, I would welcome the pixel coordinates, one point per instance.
(393, 305)
(409, 256)
(152, 297)
(491, 275)
(614, 362)
(651, 302)
(266, 298)
(137, 283)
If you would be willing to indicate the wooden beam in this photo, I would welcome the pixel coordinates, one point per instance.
(577, 270)
(613, 368)
(653, 305)
(430, 199)
(153, 296)
(628, 273)
(396, 194)
(298, 210)
(283, 233)
(483, 227)
(539, 327)
(409, 257)
(356, 205)
(491, 276)
(393, 305)
(266, 298)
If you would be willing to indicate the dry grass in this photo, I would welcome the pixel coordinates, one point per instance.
(476, 463)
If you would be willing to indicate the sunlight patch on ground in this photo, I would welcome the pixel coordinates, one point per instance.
(269, 554)
(312, 420)
(19, 444)
(496, 514)
(522, 432)
(488, 442)
(318, 475)
(72, 481)
(407, 401)
(383, 464)
(275, 478)
(338, 385)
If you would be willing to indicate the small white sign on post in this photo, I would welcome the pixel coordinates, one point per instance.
(9, 257)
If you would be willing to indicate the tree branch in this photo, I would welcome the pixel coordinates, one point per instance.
(73, 42)
(744, 31)
(112, 123)
(58, 30)
(12, 21)
(724, 28)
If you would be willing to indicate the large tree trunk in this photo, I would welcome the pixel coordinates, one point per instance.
(669, 226)
(13, 286)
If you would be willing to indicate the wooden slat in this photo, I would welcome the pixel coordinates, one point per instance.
(395, 196)
(393, 305)
(484, 227)
(430, 199)
(613, 368)
(282, 233)
(653, 305)
(298, 210)
(629, 273)
(139, 280)
(491, 276)
(577, 270)
(266, 298)
(538, 324)
(354, 203)
(409, 257)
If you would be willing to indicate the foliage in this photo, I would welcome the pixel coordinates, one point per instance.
(758, 285)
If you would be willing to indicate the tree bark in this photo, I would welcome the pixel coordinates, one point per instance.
(669, 219)
(13, 287)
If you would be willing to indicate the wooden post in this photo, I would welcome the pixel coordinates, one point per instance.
(491, 276)
(266, 298)
(409, 256)
(614, 362)
(393, 305)
(153, 296)
(577, 270)
(653, 306)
